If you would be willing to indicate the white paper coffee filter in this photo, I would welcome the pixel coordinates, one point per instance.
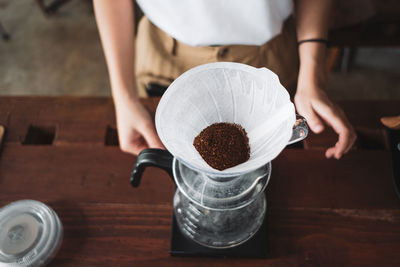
(226, 92)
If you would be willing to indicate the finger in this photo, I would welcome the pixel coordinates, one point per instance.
(353, 139)
(134, 149)
(313, 121)
(133, 146)
(152, 139)
(342, 144)
(337, 151)
(330, 152)
(340, 126)
(138, 146)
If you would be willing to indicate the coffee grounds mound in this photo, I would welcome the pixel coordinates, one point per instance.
(223, 145)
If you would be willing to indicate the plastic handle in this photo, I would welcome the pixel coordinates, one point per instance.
(300, 130)
(151, 157)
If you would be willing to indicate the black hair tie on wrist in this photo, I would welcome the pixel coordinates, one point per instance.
(324, 41)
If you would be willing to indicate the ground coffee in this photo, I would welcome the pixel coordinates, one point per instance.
(223, 145)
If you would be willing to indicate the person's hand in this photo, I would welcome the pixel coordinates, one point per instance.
(136, 129)
(317, 108)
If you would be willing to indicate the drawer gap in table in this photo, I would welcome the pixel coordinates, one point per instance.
(40, 135)
(111, 136)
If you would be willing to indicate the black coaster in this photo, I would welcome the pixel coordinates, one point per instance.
(255, 247)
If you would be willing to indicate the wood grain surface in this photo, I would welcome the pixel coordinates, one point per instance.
(321, 212)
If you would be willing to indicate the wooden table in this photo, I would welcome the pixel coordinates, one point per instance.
(62, 151)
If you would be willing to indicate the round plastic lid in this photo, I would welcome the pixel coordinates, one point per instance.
(30, 233)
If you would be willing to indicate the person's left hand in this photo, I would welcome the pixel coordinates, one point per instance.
(314, 104)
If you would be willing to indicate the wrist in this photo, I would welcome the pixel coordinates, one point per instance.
(312, 54)
(122, 85)
(121, 90)
(311, 79)
(124, 97)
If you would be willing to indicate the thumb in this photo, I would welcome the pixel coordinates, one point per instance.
(313, 121)
(150, 135)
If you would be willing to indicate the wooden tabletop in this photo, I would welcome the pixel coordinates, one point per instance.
(63, 152)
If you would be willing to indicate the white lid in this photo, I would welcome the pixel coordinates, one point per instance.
(30, 233)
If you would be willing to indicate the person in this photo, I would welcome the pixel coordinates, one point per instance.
(177, 35)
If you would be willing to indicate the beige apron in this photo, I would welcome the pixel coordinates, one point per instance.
(161, 59)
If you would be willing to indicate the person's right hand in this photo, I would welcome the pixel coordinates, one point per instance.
(318, 109)
(136, 129)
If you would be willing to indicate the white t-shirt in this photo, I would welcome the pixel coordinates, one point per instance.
(218, 22)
